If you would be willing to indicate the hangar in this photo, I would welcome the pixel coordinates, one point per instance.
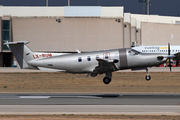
(90, 28)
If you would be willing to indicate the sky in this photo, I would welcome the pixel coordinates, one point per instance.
(157, 7)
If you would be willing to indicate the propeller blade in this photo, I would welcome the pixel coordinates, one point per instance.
(170, 64)
(169, 49)
(169, 52)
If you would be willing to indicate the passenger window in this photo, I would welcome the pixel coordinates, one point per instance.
(79, 59)
(106, 56)
(97, 56)
(89, 58)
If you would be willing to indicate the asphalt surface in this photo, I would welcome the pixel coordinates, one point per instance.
(89, 109)
(89, 99)
(90, 103)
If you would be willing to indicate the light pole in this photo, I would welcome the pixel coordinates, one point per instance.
(148, 3)
(47, 3)
(143, 1)
(68, 2)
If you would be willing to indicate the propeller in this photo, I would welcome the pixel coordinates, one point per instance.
(169, 52)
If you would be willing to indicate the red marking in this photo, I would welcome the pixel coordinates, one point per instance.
(49, 55)
(42, 55)
(37, 56)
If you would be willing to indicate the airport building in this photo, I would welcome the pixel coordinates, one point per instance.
(65, 29)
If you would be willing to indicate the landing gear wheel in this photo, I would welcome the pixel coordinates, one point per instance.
(106, 80)
(148, 77)
(93, 74)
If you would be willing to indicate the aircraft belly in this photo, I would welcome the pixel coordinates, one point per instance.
(54, 63)
(84, 67)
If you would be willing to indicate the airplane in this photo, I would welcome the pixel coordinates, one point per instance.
(91, 63)
(159, 49)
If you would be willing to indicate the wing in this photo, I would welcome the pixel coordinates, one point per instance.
(104, 66)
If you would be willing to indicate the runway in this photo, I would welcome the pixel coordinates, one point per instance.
(89, 99)
(90, 103)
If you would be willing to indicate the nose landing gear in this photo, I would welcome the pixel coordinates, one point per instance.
(148, 77)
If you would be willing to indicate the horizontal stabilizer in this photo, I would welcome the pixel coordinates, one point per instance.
(19, 42)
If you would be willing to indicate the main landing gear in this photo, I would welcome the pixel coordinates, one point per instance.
(148, 77)
(107, 79)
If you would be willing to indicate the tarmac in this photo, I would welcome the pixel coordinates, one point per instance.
(89, 103)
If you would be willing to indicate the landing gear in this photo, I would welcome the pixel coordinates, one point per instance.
(93, 74)
(148, 77)
(106, 80)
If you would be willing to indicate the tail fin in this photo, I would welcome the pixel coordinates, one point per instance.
(22, 53)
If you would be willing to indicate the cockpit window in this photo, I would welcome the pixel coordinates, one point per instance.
(133, 52)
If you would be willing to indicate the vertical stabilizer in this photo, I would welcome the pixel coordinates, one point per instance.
(22, 53)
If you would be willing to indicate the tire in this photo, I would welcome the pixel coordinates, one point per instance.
(93, 75)
(148, 77)
(106, 80)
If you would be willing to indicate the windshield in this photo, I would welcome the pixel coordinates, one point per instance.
(133, 52)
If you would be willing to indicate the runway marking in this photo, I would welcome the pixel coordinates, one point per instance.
(34, 97)
(46, 97)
